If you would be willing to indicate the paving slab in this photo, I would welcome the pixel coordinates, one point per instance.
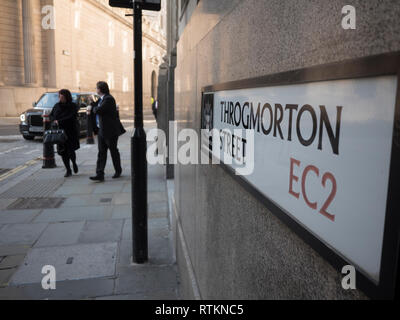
(59, 234)
(127, 188)
(101, 231)
(81, 180)
(122, 212)
(157, 196)
(122, 198)
(160, 250)
(21, 233)
(156, 186)
(158, 208)
(17, 216)
(11, 262)
(156, 223)
(65, 290)
(124, 254)
(71, 190)
(11, 250)
(108, 188)
(5, 276)
(146, 279)
(127, 230)
(74, 214)
(88, 261)
(88, 200)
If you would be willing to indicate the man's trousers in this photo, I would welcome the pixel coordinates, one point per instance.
(105, 145)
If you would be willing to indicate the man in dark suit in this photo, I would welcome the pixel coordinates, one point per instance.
(109, 128)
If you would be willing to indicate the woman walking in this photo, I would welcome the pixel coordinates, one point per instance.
(64, 114)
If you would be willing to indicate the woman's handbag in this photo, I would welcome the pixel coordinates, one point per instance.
(55, 136)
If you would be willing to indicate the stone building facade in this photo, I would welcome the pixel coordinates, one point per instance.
(46, 45)
(229, 245)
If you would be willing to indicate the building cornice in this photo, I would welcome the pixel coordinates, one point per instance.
(108, 10)
(116, 16)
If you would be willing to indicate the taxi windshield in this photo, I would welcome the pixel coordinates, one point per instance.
(48, 100)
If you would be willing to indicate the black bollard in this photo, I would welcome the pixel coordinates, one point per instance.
(90, 136)
(49, 162)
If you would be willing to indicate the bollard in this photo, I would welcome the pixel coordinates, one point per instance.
(89, 128)
(49, 161)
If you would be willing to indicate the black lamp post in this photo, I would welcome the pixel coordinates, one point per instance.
(138, 152)
(138, 140)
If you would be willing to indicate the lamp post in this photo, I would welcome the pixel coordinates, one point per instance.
(138, 139)
(138, 151)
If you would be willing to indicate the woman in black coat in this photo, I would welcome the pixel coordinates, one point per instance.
(64, 114)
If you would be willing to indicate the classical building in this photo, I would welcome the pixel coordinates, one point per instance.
(46, 45)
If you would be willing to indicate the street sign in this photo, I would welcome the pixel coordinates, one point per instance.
(322, 153)
(321, 148)
(151, 5)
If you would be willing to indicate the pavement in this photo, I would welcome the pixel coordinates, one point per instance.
(82, 229)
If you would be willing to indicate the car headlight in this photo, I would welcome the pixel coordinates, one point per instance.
(23, 117)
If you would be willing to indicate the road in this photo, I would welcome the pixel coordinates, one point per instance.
(16, 154)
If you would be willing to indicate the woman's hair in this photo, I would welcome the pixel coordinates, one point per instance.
(103, 87)
(67, 94)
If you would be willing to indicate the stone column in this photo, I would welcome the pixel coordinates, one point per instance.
(29, 43)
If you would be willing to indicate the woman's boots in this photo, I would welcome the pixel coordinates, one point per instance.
(67, 166)
(75, 166)
(66, 159)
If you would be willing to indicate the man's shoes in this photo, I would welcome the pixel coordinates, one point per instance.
(97, 178)
(117, 175)
(68, 174)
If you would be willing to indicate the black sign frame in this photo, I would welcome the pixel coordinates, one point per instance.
(128, 4)
(373, 66)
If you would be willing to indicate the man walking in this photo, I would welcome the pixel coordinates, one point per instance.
(109, 128)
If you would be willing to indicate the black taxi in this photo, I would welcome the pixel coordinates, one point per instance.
(31, 121)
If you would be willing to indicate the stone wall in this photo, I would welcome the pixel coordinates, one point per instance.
(238, 249)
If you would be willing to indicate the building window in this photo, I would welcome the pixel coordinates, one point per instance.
(125, 84)
(77, 14)
(125, 42)
(77, 20)
(111, 34)
(110, 80)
